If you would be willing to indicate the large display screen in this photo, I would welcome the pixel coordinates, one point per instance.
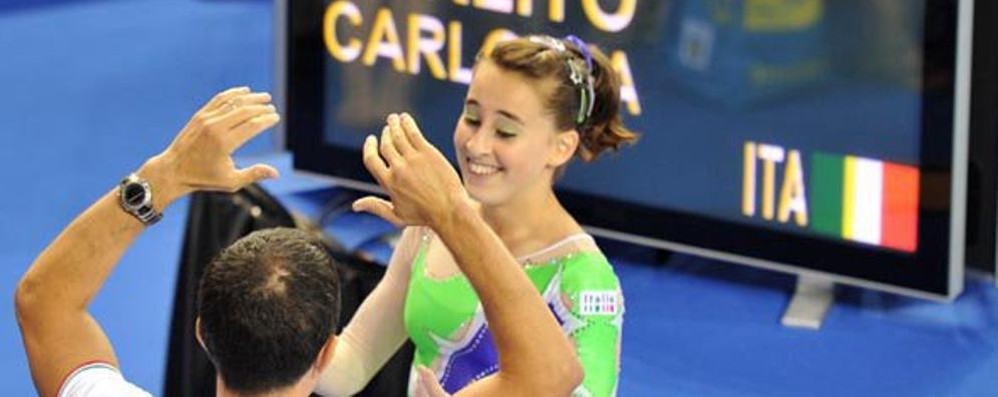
(803, 135)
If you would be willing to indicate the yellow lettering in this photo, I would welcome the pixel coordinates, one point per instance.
(426, 36)
(500, 6)
(457, 73)
(384, 41)
(628, 90)
(792, 195)
(770, 155)
(610, 22)
(336, 10)
(748, 180)
(429, 47)
(524, 8)
(556, 10)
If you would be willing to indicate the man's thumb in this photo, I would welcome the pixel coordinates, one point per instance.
(256, 173)
(380, 207)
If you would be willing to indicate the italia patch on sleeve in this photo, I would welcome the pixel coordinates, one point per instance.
(598, 303)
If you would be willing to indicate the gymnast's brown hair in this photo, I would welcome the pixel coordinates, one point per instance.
(586, 96)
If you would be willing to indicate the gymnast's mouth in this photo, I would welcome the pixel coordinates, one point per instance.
(482, 169)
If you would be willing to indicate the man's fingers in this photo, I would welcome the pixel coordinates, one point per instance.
(255, 173)
(399, 139)
(238, 101)
(380, 207)
(250, 129)
(429, 383)
(387, 148)
(412, 133)
(245, 113)
(224, 96)
(373, 162)
(256, 98)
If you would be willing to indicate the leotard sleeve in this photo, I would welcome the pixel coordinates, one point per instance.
(376, 331)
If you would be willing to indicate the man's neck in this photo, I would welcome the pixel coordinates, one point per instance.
(299, 389)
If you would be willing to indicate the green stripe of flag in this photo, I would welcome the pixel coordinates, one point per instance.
(825, 185)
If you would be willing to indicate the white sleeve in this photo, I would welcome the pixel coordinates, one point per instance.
(377, 330)
(99, 380)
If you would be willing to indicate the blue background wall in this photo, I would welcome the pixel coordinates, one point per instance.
(89, 90)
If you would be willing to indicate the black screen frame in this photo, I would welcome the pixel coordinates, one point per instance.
(982, 172)
(939, 259)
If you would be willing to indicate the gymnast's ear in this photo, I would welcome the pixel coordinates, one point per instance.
(563, 149)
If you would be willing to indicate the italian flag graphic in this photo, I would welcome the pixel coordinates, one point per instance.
(865, 200)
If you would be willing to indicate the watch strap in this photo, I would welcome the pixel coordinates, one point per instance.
(144, 211)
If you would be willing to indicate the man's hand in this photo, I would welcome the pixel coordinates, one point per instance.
(423, 186)
(428, 385)
(200, 156)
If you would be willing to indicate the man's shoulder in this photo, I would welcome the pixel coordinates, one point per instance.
(99, 379)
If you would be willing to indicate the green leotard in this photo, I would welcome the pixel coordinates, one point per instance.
(444, 319)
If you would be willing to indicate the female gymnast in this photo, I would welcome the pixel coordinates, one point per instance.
(534, 104)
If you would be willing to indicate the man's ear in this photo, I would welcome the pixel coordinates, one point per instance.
(565, 144)
(326, 354)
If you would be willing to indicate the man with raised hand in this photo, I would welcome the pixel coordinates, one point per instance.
(272, 295)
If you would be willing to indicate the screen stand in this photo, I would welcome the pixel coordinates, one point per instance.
(810, 303)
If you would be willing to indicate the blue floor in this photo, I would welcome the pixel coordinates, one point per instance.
(702, 328)
(91, 88)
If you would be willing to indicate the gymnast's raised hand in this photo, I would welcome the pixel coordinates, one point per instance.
(422, 184)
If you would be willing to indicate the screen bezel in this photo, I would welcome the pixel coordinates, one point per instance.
(942, 177)
(982, 174)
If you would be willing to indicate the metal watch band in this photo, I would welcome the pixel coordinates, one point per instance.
(148, 215)
(144, 210)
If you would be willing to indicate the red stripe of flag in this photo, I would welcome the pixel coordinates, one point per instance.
(899, 222)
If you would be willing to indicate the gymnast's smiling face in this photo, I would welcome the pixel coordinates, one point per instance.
(506, 140)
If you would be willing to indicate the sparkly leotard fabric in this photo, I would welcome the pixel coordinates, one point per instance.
(444, 319)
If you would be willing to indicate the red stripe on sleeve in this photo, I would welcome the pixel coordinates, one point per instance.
(85, 364)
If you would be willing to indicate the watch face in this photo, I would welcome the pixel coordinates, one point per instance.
(134, 195)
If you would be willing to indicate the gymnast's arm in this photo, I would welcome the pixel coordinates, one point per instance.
(376, 331)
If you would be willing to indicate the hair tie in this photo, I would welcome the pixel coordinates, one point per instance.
(583, 48)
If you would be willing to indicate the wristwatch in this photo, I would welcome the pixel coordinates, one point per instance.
(135, 196)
